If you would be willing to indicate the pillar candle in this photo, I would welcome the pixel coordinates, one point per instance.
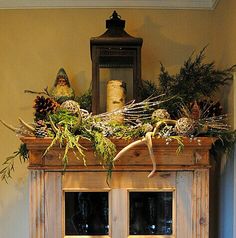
(116, 93)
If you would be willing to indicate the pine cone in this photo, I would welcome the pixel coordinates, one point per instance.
(44, 106)
(41, 129)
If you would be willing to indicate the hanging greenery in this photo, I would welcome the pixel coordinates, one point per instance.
(8, 166)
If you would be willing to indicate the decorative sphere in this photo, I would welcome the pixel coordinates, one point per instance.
(160, 114)
(147, 127)
(71, 106)
(185, 126)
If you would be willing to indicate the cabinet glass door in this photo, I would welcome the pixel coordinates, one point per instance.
(150, 213)
(86, 213)
(134, 206)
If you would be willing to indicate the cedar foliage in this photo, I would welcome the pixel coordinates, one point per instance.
(195, 81)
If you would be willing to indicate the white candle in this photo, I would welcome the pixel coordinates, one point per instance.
(116, 94)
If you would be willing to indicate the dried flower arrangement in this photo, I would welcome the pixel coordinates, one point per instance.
(180, 107)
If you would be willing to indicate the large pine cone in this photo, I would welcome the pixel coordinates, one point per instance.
(44, 106)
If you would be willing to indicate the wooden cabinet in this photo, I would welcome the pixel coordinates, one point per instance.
(184, 178)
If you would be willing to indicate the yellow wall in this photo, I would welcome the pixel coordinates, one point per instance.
(34, 44)
(225, 33)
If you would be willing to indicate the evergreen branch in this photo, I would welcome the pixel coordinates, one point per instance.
(195, 79)
(104, 148)
(66, 139)
(9, 164)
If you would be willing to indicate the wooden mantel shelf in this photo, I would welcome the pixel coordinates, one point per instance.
(194, 156)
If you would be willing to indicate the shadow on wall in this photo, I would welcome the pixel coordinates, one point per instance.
(81, 83)
(159, 48)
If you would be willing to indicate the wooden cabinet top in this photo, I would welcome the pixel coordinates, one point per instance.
(195, 155)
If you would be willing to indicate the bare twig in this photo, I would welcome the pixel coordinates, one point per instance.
(45, 92)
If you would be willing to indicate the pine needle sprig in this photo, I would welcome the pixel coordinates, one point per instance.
(67, 139)
(147, 89)
(195, 79)
(104, 148)
(9, 164)
(85, 100)
(226, 139)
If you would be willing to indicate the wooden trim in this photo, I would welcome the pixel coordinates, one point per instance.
(87, 181)
(163, 4)
(184, 183)
(37, 208)
(195, 155)
(200, 204)
(119, 214)
(124, 168)
(200, 142)
(53, 205)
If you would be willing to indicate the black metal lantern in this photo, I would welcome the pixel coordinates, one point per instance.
(115, 55)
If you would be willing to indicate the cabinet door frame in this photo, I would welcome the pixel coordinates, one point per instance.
(190, 210)
(121, 184)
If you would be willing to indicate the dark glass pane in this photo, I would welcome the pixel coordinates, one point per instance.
(86, 213)
(150, 213)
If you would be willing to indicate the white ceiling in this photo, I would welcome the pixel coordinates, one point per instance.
(163, 4)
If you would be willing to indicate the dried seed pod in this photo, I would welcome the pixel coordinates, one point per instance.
(160, 114)
(71, 106)
(185, 126)
(195, 111)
